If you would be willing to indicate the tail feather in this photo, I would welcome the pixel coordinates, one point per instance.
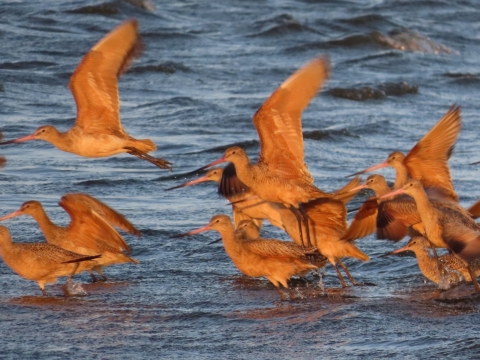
(355, 252)
(84, 258)
(344, 194)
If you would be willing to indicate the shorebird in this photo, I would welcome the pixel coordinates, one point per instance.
(454, 269)
(391, 218)
(276, 260)
(41, 262)
(280, 174)
(98, 131)
(451, 227)
(89, 232)
(428, 159)
(248, 231)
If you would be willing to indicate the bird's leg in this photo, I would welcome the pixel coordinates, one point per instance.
(347, 272)
(282, 295)
(299, 217)
(44, 293)
(340, 276)
(94, 278)
(441, 269)
(162, 164)
(474, 278)
(305, 221)
(98, 270)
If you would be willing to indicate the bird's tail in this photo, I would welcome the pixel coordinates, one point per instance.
(344, 194)
(353, 251)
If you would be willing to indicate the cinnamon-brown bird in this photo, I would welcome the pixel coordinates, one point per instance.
(280, 174)
(428, 159)
(454, 272)
(276, 260)
(41, 262)
(451, 227)
(98, 131)
(89, 232)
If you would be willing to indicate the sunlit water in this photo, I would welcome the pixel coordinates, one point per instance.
(207, 67)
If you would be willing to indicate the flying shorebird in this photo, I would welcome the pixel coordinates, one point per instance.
(98, 131)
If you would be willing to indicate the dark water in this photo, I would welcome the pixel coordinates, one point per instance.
(206, 69)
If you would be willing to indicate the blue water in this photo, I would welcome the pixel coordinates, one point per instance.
(207, 67)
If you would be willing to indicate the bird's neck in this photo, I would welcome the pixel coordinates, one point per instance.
(48, 228)
(382, 189)
(61, 140)
(429, 216)
(230, 241)
(244, 171)
(402, 175)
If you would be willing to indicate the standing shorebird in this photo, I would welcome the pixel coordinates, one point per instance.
(428, 159)
(280, 174)
(451, 227)
(98, 131)
(276, 260)
(454, 269)
(89, 232)
(41, 262)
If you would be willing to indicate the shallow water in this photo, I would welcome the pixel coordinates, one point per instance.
(207, 67)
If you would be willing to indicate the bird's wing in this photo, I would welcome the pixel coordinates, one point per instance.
(275, 248)
(279, 121)
(428, 159)
(395, 216)
(464, 242)
(50, 252)
(87, 227)
(327, 217)
(110, 215)
(475, 210)
(365, 221)
(94, 84)
(230, 185)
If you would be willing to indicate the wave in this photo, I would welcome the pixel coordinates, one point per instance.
(109, 8)
(374, 93)
(168, 67)
(410, 40)
(25, 65)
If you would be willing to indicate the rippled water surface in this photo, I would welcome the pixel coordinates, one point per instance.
(397, 66)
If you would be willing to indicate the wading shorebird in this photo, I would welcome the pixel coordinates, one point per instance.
(98, 131)
(455, 270)
(276, 260)
(327, 217)
(280, 174)
(89, 232)
(428, 159)
(451, 227)
(42, 262)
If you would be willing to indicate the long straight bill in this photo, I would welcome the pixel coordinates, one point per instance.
(371, 168)
(193, 232)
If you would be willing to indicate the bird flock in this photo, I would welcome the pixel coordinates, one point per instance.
(422, 202)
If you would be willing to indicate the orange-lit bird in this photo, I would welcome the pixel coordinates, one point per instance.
(89, 232)
(451, 227)
(280, 174)
(98, 131)
(428, 159)
(276, 260)
(455, 270)
(41, 262)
